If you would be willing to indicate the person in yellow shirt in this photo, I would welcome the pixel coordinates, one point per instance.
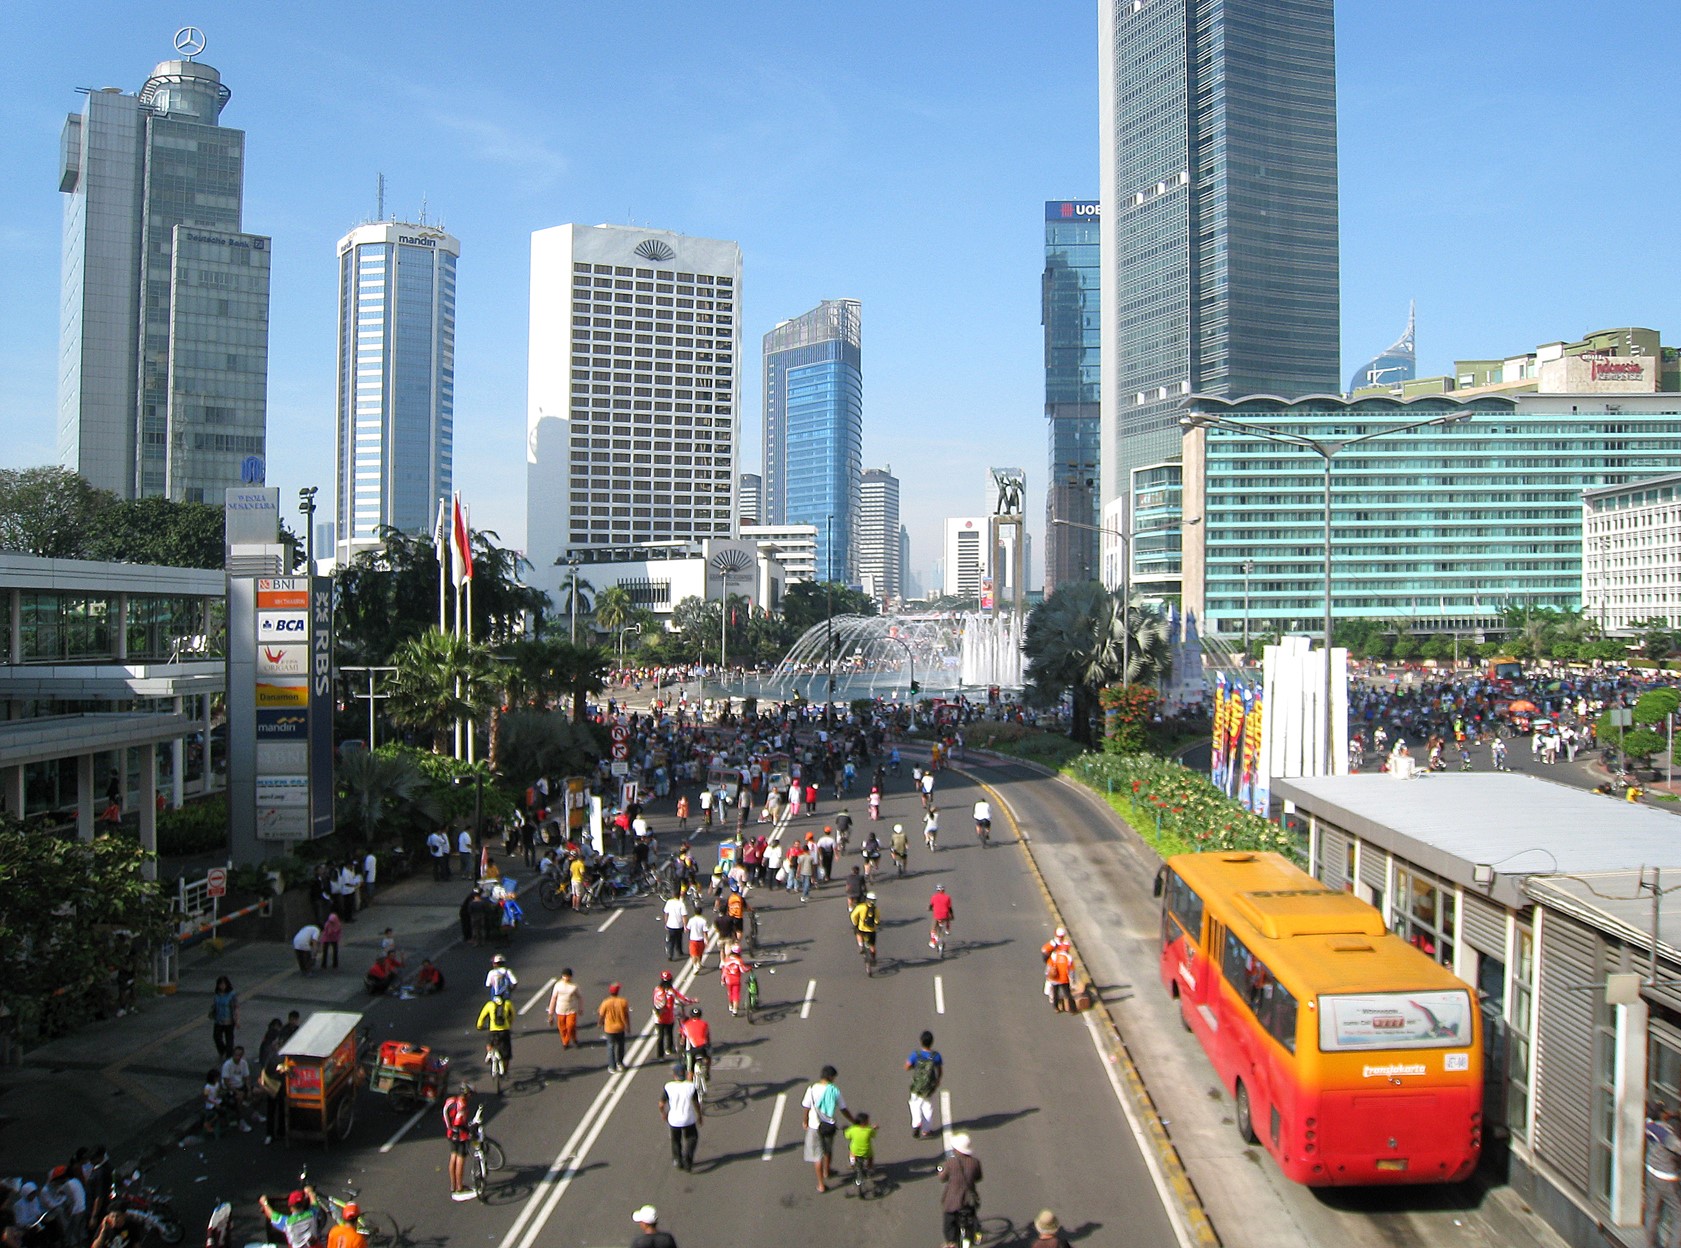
(576, 871)
(498, 1018)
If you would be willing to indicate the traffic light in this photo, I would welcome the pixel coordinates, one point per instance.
(915, 688)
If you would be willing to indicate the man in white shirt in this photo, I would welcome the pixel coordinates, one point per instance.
(680, 1108)
(304, 945)
(676, 916)
(438, 846)
(370, 873)
(464, 846)
(698, 927)
(236, 1084)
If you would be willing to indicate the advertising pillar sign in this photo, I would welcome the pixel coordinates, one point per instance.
(280, 712)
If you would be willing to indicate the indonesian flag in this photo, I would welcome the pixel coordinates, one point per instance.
(461, 545)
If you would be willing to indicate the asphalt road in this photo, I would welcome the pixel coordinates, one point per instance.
(585, 1148)
(1102, 880)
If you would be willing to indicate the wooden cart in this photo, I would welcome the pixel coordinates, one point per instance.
(408, 1073)
(322, 1077)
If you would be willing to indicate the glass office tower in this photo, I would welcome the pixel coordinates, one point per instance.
(1440, 529)
(1073, 350)
(814, 430)
(396, 384)
(1219, 206)
(163, 332)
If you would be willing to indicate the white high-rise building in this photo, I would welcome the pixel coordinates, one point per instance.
(633, 397)
(750, 499)
(794, 546)
(396, 384)
(966, 557)
(878, 535)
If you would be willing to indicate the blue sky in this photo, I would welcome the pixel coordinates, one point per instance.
(1503, 163)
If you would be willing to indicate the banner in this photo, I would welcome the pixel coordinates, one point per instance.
(1260, 793)
(1217, 755)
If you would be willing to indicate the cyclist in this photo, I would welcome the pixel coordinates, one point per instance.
(458, 1130)
(900, 847)
(865, 919)
(927, 788)
(667, 1001)
(697, 1041)
(732, 973)
(297, 1224)
(497, 1017)
(854, 884)
(931, 828)
(843, 831)
(983, 820)
(944, 911)
(870, 850)
(961, 1196)
(501, 981)
(861, 1146)
(345, 1233)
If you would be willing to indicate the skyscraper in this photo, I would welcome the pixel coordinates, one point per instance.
(1390, 367)
(396, 384)
(163, 320)
(814, 429)
(749, 498)
(1073, 350)
(966, 563)
(879, 533)
(1219, 229)
(633, 390)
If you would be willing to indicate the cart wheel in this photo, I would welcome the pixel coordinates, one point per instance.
(345, 1119)
(404, 1099)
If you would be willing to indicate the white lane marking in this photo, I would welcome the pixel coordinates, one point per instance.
(403, 1130)
(555, 1181)
(810, 992)
(1175, 1213)
(775, 1125)
(939, 994)
(541, 992)
(611, 919)
(945, 1120)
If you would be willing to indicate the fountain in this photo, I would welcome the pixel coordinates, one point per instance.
(874, 655)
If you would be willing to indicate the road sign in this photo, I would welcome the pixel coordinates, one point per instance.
(621, 769)
(621, 751)
(216, 882)
(619, 732)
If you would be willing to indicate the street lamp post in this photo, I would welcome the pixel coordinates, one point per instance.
(306, 505)
(1248, 567)
(1126, 589)
(573, 561)
(477, 781)
(1327, 451)
(829, 627)
(628, 628)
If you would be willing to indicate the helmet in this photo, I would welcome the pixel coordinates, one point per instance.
(695, 1012)
(467, 1089)
(351, 1210)
(898, 827)
(939, 888)
(298, 1199)
(1062, 931)
(665, 977)
(499, 960)
(869, 896)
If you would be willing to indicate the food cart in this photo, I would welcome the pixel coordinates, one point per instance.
(322, 1077)
(408, 1073)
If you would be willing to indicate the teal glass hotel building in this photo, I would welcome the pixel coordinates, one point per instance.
(1442, 527)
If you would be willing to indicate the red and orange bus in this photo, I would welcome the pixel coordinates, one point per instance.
(1351, 1057)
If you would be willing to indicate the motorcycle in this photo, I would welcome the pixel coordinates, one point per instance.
(149, 1210)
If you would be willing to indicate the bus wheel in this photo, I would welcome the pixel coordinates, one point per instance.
(1245, 1126)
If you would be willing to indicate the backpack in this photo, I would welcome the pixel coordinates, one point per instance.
(924, 1075)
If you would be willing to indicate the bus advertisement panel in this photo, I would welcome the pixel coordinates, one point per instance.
(1394, 1020)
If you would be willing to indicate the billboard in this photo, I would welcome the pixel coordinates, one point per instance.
(275, 660)
(282, 691)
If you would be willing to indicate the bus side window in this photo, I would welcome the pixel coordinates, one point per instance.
(1185, 906)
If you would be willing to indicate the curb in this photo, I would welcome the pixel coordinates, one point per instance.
(1198, 1226)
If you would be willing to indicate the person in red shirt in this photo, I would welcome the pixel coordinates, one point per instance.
(944, 911)
(1059, 970)
(459, 1132)
(732, 971)
(666, 1002)
(697, 1040)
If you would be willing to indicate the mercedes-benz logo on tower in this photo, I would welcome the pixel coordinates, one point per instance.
(189, 42)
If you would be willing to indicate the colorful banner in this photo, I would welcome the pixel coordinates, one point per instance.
(1217, 756)
(1260, 793)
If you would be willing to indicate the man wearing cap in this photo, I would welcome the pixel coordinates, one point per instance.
(345, 1233)
(647, 1218)
(960, 1195)
(1050, 1231)
(614, 1013)
(297, 1224)
(680, 1107)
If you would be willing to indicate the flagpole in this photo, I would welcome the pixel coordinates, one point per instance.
(440, 543)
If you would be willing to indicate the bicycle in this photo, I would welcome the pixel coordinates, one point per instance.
(968, 1228)
(867, 953)
(497, 1063)
(551, 892)
(484, 1156)
(698, 1068)
(380, 1228)
(940, 935)
(752, 995)
(864, 1178)
(983, 829)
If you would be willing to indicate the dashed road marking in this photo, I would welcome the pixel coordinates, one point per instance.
(810, 993)
(775, 1125)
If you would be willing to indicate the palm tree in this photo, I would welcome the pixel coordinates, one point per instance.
(441, 679)
(1073, 642)
(1149, 649)
(613, 606)
(535, 744)
(375, 788)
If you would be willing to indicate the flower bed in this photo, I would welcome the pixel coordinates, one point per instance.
(1177, 810)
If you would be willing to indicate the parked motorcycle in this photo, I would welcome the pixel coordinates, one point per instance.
(148, 1208)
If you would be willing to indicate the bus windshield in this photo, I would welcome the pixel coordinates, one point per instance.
(1394, 1020)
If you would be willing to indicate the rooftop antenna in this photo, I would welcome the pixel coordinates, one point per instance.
(423, 210)
(381, 215)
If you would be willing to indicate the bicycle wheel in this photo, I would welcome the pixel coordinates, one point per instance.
(550, 893)
(481, 1178)
(494, 1157)
(380, 1228)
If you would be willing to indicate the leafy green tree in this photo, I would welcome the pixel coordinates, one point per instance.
(159, 531)
(1073, 643)
(613, 606)
(442, 678)
(810, 602)
(1657, 639)
(71, 912)
(1655, 705)
(1639, 744)
(381, 793)
(50, 511)
(531, 744)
